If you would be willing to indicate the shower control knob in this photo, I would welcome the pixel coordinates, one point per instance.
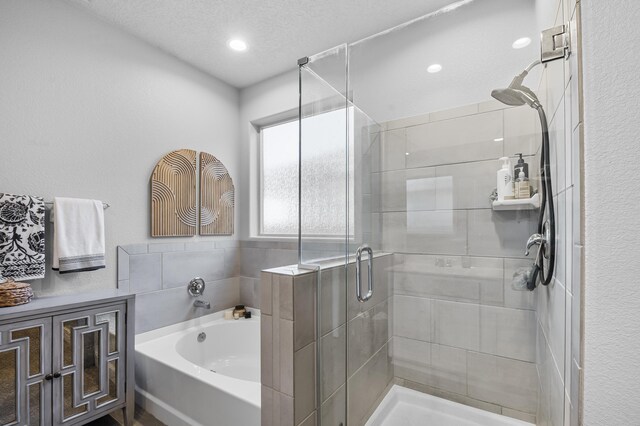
(196, 287)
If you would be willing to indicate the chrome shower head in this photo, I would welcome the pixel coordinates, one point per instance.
(508, 96)
(517, 94)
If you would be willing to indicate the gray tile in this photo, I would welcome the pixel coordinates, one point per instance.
(231, 262)
(333, 347)
(420, 189)
(367, 384)
(521, 132)
(448, 369)
(576, 329)
(576, 166)
(451, 396)
(135, 248)
(145, 272)
(266, 406)
(392, 193)
(200, 246)
(178, 268)
(443, 232)
(460, 278)
(499, 233)
(413, 317)
(469, 138)
(266, 350)
(557, 148)
(266, 301)
(304, 382)
(391, 151)
(227, 244)
(520, 299)
(286, 358)
(411, 359)
(507, 382)
(123, 264)
(285, 410)
(309, 421)
(285, 287)
(177, 306)
(333, 298)
(466, 185)
(402, 190)
(333, 409)
(515, 414)
(165, 247)
(250, 292)
(304, 308)
(457, 324)
(368, 332)
(508, 332)
(382, 274)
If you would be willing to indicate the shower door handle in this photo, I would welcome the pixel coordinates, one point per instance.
(359, 296)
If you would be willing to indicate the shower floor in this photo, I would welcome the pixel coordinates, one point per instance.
(406, 407)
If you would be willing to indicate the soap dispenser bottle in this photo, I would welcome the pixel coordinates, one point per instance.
(505, 181)
(521, 166)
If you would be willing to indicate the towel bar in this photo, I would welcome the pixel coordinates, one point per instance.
(104, 205)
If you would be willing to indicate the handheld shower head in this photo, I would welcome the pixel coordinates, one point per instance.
(518, 94)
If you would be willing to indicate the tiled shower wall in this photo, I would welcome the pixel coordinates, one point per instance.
(460, 330)
(558, 305)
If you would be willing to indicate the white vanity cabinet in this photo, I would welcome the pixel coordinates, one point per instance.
(66, 360)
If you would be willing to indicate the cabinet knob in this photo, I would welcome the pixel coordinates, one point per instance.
(48, 377)
(56, 375)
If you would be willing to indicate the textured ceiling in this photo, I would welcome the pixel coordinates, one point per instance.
(278, 32)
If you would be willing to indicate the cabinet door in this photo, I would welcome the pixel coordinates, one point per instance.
(88, 354)
(25, 360)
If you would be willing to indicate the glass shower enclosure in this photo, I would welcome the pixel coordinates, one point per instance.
(417, 273)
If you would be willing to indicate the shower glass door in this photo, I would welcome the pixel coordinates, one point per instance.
(400, 141)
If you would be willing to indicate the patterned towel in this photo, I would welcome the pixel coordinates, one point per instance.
(21, 237)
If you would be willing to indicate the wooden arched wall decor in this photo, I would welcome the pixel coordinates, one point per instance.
(173, 195)
(216, 197)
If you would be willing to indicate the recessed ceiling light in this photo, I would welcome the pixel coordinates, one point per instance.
(498, 139)
(237, 45)
(521, 42)
(434, 68)
(406, 153)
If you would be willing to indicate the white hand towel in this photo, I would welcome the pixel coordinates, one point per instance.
(78, 235)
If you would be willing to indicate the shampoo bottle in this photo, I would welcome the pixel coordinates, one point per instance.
(505, 181)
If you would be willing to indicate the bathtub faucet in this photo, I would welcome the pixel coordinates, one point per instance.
(202, 304)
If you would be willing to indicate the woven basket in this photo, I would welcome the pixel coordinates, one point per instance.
(13, 293)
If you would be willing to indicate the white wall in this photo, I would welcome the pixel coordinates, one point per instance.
(612, 213)
(87, 110)
(260, 104)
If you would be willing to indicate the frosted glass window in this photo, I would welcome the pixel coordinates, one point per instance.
(323, 177)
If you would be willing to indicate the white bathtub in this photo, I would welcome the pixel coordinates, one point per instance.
(215, 382)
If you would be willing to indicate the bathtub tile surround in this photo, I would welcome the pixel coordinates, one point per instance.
(158, 274)
(288, 346)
